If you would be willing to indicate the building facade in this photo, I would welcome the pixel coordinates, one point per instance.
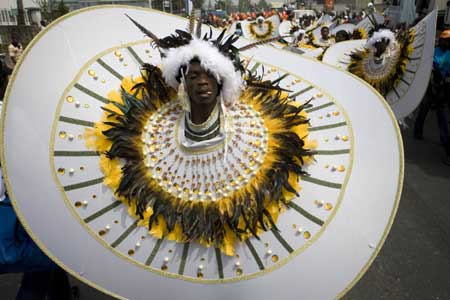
(77, 4)
(8, 12)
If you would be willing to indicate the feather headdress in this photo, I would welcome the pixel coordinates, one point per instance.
(379, 35)
(218, 55)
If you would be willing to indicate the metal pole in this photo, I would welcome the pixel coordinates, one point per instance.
(150, 3)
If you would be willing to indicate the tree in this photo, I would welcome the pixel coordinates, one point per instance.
(221, 4)
(209, 5)
(262, 4)
(198, 4)
(20, 13)
(44, 6)
(62, 9)
(244, 5)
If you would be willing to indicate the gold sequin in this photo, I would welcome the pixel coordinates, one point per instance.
(275, 258)
(344, 138)
(152, 148)
(328, 206)
(125, 65)
(86, 105)
(319, 95)
(336, 113)
(341, 168)
(257, 143)
(62, 134)
(252, 163)
(80, 136)
(266, 245)
(91, 73)
(164, 268)
(247, 171)
(61, 171)
(239, 272)
(255, 154)
(199, 275)
(117, 53)
(78, 204)
(154, 158)
(102, 232)
(69, 99)
(158, 169)
(294, 226)
(306, 234)
(130, 252)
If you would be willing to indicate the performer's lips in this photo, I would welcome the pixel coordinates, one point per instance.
(204, 93)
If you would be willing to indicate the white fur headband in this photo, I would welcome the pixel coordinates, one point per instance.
(211, 59)
(380, 34)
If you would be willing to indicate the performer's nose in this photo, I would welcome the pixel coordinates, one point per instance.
(203, 79)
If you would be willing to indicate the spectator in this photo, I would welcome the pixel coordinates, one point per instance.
(438, 92)
(15, 49)
(5, 71)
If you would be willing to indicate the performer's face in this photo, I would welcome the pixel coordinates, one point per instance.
(325, 32)
(381, 47)
(202, 87)
(341, 36)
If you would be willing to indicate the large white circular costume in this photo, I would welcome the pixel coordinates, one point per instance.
(404, 73)
(262, 28)
(330, 233)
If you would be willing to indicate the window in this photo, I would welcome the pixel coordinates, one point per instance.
(27, 20)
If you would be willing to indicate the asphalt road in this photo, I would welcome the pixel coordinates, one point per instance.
(414, 263)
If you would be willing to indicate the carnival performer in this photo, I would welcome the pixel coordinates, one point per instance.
(208, 89)
(325, 39)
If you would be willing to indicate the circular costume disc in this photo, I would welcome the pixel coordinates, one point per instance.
(330, 233)
(408, 92)
(256, 31)
(339, 54)
(348, 27)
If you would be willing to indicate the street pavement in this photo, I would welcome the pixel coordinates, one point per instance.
(414, 263)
